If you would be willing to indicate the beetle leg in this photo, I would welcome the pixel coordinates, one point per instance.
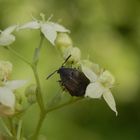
(59, 81)
(62, 86)
(72, 64)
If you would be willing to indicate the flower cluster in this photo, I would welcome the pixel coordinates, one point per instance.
(100, 84)
(92, 81)
(5, 70)
(7, 88)
(48, 29)
(6, 36)
(65, 46)
(101, 81)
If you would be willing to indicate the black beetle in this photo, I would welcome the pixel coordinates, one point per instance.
(72, 79)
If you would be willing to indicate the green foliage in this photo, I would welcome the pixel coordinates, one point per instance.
(107, 31)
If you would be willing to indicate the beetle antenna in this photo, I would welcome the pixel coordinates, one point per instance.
(66, 60)
(61, 66)
(51, 74)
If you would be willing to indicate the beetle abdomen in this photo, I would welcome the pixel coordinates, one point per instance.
(74, 81)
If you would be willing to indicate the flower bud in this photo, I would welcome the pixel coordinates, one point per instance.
(6, 36)
(5, 70)
(30, 93)
(107, 79)
(6, 111)
(18, 107)
(75, 54)
(19, 101)
(63, 41)
(94, 67)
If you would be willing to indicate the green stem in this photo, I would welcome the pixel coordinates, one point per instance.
(18, 55)
(37, 51)
(34, 68)
(12, 128)
(39, 125)
(39, 91)
(41, 41)
(64, 104)
(42, 116)
(19, 130)
(6, 128)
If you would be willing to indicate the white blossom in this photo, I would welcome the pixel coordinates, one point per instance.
(5, 70)
(30, 25)
(75, 54)
(7, 96)
(49, 29)
(6, 36)
(100, 85)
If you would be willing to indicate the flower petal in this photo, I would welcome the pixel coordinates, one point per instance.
(7, 98)
(15, 84)
(9, 30)
(74, 52)
(93, 66)
(6, 111)
(49, 32)
(30, 25)
(94, 90)
(6, 39)
(107, 79)
(89, 73)
(110, 100)
(57, 27)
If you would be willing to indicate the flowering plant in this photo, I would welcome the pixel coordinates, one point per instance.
(98, 81)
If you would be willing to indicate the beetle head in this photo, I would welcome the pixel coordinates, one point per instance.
(60, 69)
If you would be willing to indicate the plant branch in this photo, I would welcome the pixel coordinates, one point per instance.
(34, 68)
(19, 130)
(39, 125)
(38, 90)
(42, 117)
(18, 55)
(6, 128)
(64, 104)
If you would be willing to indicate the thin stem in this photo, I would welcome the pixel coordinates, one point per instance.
(42, 116)
(37, 51)
(6, 128)
(18, 55)
(12, 128)
(19, 130)
(41, 41)
(64, 104)
(34, 68)
(39, 91)
(39, 125)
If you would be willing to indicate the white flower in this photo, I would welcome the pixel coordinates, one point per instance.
(5, 70)
(7, 97)
(94, 67)
(63, 40)
(100, 86)
(6, 36)
(30, 25)
(49, 29)
(75, 54)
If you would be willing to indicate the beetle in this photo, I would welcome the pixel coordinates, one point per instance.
(72, 79)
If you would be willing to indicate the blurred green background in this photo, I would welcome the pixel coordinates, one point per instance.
(106, 30)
